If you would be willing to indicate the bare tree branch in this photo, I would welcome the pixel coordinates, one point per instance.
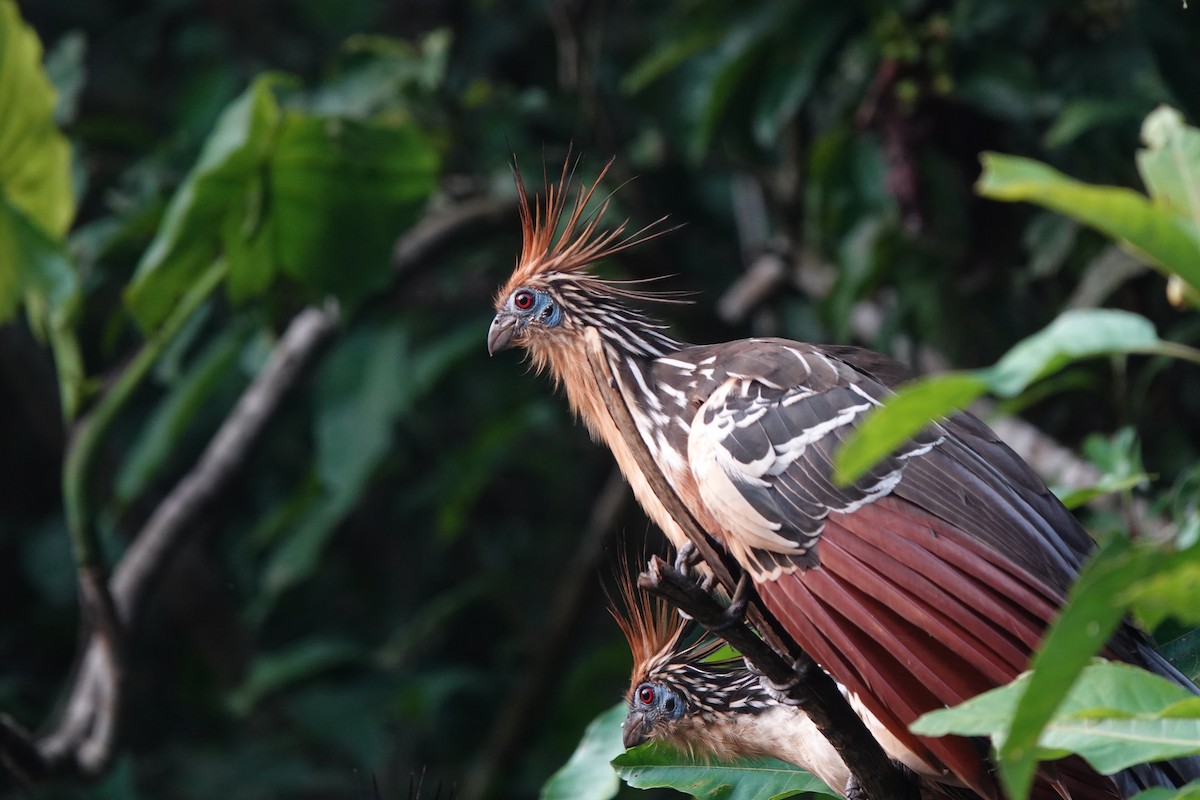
(84, 739)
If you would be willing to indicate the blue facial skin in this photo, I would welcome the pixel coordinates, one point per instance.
(544, 310)
(653, 704)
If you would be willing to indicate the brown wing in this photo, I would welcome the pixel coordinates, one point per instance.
(925, 583)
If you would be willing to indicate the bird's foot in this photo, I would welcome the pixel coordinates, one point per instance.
(782, 692)
(687, 559)
(735, 612)
(854, 791)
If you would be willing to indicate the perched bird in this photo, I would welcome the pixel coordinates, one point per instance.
(682, 694)
(926, 582)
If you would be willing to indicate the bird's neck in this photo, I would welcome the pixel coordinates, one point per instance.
(567, 359)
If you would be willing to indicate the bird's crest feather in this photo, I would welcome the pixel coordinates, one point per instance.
(654, 630)
(560, 235)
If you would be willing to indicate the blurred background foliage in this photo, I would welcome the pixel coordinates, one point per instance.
(406, 578)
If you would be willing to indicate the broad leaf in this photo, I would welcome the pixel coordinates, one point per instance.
(1189, 792)
(1016, 716)
(298, 662)
(1170, 592)
(1115, 716)
(1092, 613)
(1164, 238)
(35, 159)
(190, 236)
(36, 203)
(588, 774)
(341, 191)
(319, 198)
(1170, 164)
(1074, 336)
(650, 766)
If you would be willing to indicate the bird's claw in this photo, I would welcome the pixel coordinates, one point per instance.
(781, 692)
(687, 558)
(735, 612)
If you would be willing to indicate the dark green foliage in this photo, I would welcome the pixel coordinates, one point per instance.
(376, 597)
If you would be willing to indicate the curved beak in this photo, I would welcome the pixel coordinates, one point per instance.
(633, 730)
(500, 334)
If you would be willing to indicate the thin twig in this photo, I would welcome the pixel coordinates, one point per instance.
(441, 228)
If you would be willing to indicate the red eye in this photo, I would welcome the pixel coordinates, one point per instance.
(646, 695)
(523, 300)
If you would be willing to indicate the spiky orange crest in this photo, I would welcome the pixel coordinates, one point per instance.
(651, 626)
(558, 236)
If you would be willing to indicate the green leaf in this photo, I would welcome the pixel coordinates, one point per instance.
(159, 437)
(1116, 715)
(319, 198)
(1189, 792)
(588, 773)
(901, 418)
(1073, 336)
(666, 57)
(1165, 239)
(301, 661)
(341, 191)
(1080, 116)
(792, 74)
(1092, 613)
(35, 158)
(36, 204)
(650, 766)
(1170, 164)
(1171, 592)
(189, 238)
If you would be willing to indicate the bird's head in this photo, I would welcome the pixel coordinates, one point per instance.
(678, 680)
(551, 296)
(654, 708)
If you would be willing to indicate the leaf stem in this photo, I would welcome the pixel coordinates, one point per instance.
(91, 430)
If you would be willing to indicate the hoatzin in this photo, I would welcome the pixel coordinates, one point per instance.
(681, 693)
(924, 583)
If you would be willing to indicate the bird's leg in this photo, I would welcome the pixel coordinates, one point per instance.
(735, 612)
(687, 558)
(783, 691)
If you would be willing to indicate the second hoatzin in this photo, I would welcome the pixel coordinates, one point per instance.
(924, 583)
(682, 694)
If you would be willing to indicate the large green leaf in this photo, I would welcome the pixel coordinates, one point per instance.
(1073, 336)
(588, 774)
(1169, 592)
(1115, 716)
(650, 766)
(1189, 792)
(36, 203)
(190, 236)
(1163, 237)
(35, 158)
(341, 191)
(320, 198)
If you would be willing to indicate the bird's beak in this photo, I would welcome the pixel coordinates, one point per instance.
(500, 335)
(633, 730)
